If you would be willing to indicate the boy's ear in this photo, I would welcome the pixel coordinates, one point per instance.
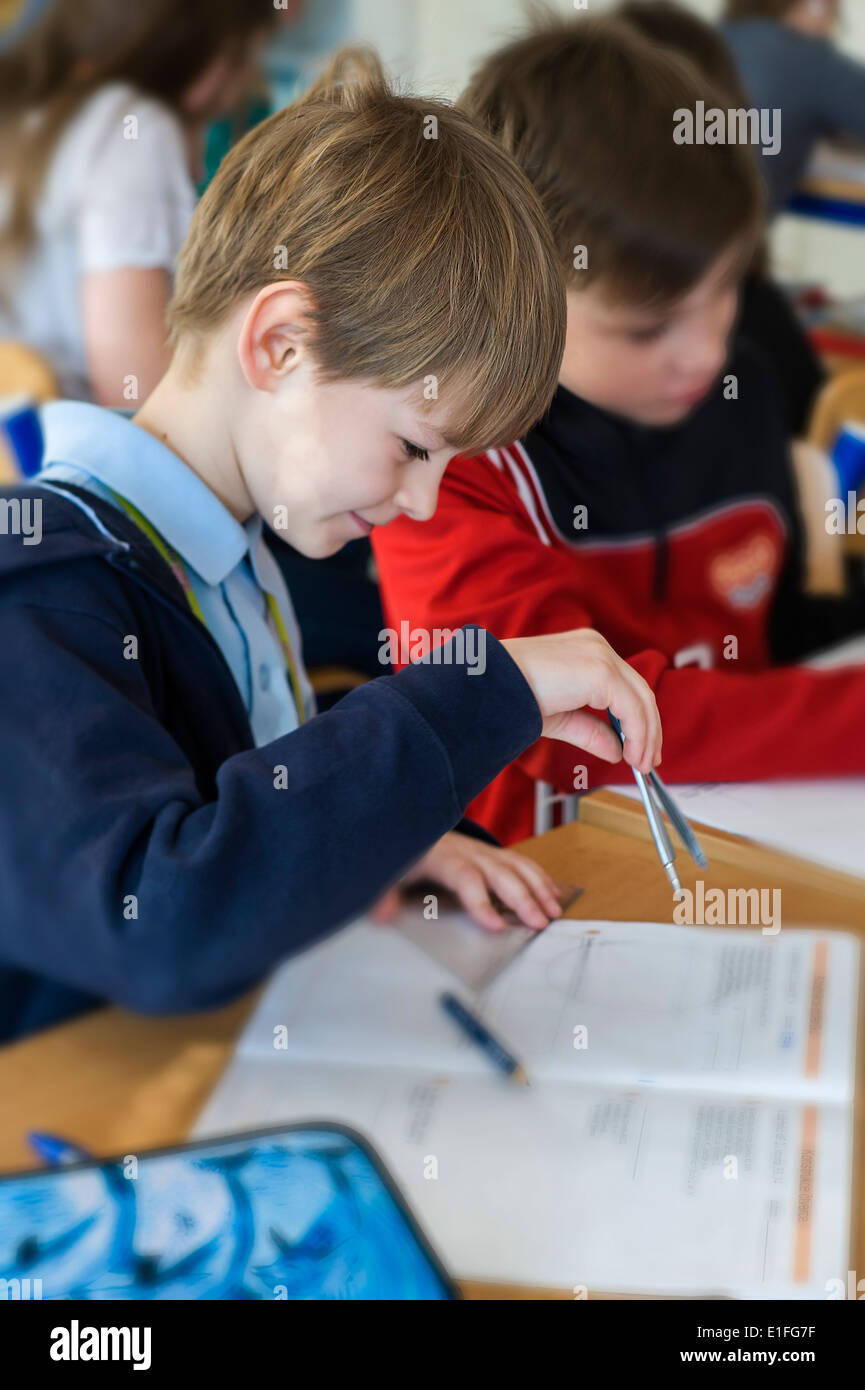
(275, 334)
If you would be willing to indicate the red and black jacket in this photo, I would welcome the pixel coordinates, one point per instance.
(687, 557)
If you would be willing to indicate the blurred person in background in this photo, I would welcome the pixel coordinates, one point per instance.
(766, 317)
(112, 119)
(786, 59)
(103, 111)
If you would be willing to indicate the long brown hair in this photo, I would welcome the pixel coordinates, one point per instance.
(159, 46)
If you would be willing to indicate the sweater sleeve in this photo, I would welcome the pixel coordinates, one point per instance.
(120, 878)
(481, 560)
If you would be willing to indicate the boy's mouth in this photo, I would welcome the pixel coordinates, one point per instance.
(365, 527)
(695, 395)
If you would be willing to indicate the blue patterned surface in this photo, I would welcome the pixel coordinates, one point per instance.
(302, 1215)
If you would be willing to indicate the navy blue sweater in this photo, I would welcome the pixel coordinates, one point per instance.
(148, 854)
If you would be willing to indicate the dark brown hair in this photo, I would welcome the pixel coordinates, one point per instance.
(586, 107)
(674, 27)
(424, 249)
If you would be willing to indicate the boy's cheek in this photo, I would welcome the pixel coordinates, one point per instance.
(630, 387)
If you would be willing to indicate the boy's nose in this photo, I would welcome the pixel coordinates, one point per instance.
(417, 497)
(704, 358)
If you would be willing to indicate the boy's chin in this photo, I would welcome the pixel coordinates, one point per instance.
(664, 414)
(654, 412)
(329, 539)
(321, 548)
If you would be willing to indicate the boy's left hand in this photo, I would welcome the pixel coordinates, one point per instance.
(473, 870)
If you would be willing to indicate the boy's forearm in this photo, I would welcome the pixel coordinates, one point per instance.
(170, 901)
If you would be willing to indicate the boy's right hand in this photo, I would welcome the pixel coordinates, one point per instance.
(572, 673)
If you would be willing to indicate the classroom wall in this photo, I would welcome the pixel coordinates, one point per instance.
(451, 35)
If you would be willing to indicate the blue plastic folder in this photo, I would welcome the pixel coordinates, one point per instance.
(300, 1212)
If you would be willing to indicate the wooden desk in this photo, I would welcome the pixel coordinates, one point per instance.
(117, 1083)
(810, 894)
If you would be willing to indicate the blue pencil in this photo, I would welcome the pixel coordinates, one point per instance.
(56, 1152)
(474, 1029)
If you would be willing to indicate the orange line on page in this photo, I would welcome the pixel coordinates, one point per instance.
(805, 1200)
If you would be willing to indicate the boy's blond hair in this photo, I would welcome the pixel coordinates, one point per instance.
(424, 248)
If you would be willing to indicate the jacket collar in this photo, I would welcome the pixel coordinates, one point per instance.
(132, 462)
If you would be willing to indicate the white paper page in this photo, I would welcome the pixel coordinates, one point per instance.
(612, 1189)
(722, 1008)
(366, 996)
(821, 820)
(683, 1007)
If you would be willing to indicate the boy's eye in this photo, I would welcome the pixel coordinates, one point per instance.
(414, 451)
(649, 334)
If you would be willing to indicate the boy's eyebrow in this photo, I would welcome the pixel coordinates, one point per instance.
(432, 439)
(622, 312)
(635, 318)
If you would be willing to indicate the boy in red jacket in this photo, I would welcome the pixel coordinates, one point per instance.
(655, 500)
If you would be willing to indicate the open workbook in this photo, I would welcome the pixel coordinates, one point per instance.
(688, 1127)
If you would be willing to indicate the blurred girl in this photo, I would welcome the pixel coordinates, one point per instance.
(102, 114)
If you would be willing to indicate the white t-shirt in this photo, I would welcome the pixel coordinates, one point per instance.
(117, 194)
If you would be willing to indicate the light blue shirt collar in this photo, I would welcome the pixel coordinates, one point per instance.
(124, 457)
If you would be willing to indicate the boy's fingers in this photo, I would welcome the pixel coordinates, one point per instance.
(543, 887)
(386, 908)
(470, 887)
(587, 732)
(636, 710)
(631, 713)
(516, 893)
